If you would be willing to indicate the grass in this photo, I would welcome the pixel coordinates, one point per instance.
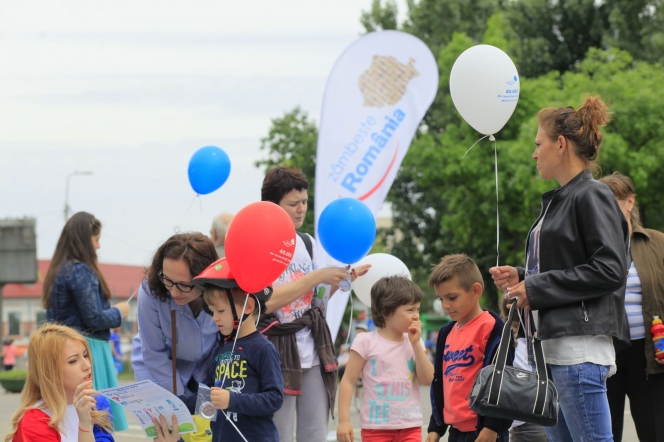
(127, 373)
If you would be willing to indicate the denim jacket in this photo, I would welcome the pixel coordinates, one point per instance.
(78, 302)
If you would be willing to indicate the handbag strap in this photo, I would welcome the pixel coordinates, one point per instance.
(499, 367)
(173, 354)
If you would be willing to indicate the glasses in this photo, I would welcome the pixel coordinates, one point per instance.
(184, 288)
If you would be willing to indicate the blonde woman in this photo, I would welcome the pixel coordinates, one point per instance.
(58, 402)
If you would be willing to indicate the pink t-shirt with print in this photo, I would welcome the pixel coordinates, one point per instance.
(391, 391)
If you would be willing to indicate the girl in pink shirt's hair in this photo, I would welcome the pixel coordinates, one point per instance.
(392, 361)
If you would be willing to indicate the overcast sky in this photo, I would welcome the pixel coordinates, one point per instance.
(129, 90)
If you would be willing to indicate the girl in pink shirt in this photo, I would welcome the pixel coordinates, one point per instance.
(9, 355)
(391, 361)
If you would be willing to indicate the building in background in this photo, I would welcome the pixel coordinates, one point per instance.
(22, 311)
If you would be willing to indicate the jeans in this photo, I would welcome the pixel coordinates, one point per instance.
(584, 408)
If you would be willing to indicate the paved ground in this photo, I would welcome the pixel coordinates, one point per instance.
(9, 402)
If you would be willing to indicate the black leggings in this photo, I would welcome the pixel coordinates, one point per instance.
(645, 392)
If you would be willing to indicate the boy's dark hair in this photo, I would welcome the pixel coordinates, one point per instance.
(459, 266)
(389, 293)
(211, 292)
(281, 180)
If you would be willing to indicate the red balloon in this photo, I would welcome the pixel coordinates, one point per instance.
(260, 242)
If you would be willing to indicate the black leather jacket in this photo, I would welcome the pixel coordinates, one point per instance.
(583, 263)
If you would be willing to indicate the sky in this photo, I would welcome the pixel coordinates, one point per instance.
(129, 90)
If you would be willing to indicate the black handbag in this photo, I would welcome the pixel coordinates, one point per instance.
(511, 393)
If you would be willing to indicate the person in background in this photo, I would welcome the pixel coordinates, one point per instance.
(8, 354)
(77, 295)
(360, 328)
(342, 359)
(218, 230)
(639, 375)
(115, 349)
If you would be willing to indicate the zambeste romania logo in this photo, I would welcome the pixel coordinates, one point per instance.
(386, 81)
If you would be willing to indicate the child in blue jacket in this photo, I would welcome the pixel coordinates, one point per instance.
(245, 370)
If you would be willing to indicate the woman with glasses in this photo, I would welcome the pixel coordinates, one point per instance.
(168, 293)
(76, 294)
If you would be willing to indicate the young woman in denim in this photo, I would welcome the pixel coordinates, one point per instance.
(76, 294)
(168, 286)
(575, 273)
(640, 376)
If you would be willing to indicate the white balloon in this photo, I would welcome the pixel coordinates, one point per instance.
(484, 85)
(437, 305)
(382, 265)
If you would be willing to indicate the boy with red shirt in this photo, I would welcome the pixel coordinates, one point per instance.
(465, 346)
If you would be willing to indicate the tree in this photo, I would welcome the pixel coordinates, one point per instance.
(556, 34)
(380, 17)
(445, 204)
(292, 141)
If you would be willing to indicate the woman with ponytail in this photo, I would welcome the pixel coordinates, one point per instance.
(576, 267)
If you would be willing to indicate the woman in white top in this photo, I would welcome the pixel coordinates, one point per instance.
(303, 286)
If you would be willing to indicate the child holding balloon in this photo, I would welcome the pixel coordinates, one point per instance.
(392, 361)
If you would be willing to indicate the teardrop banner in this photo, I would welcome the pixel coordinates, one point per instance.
(375, 98)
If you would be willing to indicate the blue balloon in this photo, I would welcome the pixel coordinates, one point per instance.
(347, 230)
(209, 168)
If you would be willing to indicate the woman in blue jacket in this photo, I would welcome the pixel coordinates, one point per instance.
(76, 294)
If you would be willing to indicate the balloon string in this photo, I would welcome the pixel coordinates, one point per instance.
(464, 155)
(189, 208)
(228, 418)
(350, 320)
(495, 153)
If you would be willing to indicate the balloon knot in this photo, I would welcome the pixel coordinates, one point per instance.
(491, 138)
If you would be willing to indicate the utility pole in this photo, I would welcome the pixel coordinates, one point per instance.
(74, 173)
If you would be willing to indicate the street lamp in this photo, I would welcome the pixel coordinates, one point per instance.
(74, 173)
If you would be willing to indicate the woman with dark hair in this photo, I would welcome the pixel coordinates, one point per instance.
(575, 272)
(76, 294)
(640, 375)
(295, 320)
(168, 293)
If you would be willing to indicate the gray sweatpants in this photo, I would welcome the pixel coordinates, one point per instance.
(312, 410)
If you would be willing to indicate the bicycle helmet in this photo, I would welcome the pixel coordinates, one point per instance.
(219, 274)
